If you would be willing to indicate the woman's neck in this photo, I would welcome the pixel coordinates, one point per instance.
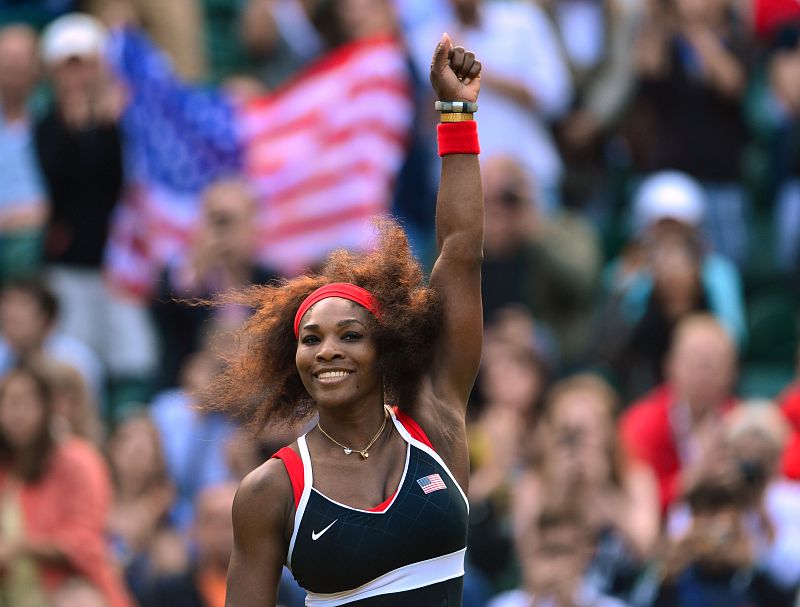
(356, 425)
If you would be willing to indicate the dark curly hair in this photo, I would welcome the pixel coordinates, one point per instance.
(261, 384)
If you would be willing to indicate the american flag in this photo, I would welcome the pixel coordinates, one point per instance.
(323, 152)
(322, 155)
(178, 139)
(431, 483)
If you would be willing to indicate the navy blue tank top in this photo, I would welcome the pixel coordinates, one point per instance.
(408, 551)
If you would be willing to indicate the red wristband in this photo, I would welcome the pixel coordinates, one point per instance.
(458, 138)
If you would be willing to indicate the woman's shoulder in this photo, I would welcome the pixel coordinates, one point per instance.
(265, 493)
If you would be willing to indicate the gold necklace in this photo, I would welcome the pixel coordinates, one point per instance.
(364, 453)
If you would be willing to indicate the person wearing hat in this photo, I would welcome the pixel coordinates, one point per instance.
(79, 147)
(665, 272)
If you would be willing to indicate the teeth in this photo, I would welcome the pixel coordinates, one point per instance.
(333, 374)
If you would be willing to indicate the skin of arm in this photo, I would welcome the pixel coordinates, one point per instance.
(263, 510)
(721, 67)
(456, 274)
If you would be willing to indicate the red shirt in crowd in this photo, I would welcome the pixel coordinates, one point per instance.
(790, 405)
(648, 434)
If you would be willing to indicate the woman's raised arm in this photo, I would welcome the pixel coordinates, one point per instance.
(455, 76)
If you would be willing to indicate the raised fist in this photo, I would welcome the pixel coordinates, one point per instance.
(455, 73)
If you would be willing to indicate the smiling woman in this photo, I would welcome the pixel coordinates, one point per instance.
(387, 363)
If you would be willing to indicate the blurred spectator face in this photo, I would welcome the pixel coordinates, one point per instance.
(554, 559)
(228, 223)
(701, 364)
(71, 400)
(718, 536)
(362, 18)
(507, 196)
(213, 530)
(512, 377)
(78, 593)
(134, 451)
(23, 322)
(23, 410)
(168, 554)
(18, 62)
(756, 433)
(72, 49)
(582, 434)
(198, 371)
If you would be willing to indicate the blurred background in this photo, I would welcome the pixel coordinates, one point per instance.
(635, 428)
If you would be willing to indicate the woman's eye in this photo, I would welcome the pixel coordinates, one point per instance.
(351, 335)
(310, 339)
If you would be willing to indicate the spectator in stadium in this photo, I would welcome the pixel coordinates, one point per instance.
(555, 551)
(143, 496)
(221, 257)
(323, 343)
(55, 498)
(177, 27)
(549, 264)
(512, 378)
(693, 68)
(74, 405)
(80, 151)
(784, 103)
(664, 273)
(789, 402)
(203, 584)
(29, 329)
(527, 89)
(753, 439)
(576, 456)
(194, 440)
(596, 40)
(713, 562)
(23, 201)
(673, 426)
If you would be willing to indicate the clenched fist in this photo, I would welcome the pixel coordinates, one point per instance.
(455, 73)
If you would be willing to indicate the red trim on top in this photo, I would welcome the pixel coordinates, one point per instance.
(383, 505)
(294, 467)
(412, 427)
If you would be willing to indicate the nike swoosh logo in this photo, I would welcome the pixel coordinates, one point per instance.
(315, 536)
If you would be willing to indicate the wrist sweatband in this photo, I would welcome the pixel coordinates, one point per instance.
(458, 138)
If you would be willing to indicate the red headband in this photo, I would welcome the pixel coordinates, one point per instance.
(344, 290)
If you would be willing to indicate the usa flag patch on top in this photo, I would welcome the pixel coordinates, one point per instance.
(431, 483)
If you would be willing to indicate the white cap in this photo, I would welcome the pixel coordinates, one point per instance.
(73, 35)
(668, 195)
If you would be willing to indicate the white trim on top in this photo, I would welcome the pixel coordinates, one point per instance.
(420, 445)
(308, 481)
(408, 577)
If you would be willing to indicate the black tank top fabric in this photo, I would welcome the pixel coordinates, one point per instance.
(409, 553)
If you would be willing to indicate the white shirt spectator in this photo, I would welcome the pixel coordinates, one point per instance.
(514, 40)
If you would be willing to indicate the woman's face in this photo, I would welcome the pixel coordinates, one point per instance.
(581, 433)
(22, 411)
(336, 355)
(133, 452)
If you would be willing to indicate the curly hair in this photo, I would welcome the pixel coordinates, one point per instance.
(261, 384)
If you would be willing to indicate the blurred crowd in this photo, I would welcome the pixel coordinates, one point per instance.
(635, 427)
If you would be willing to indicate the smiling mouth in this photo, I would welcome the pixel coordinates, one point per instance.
(331, 377)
